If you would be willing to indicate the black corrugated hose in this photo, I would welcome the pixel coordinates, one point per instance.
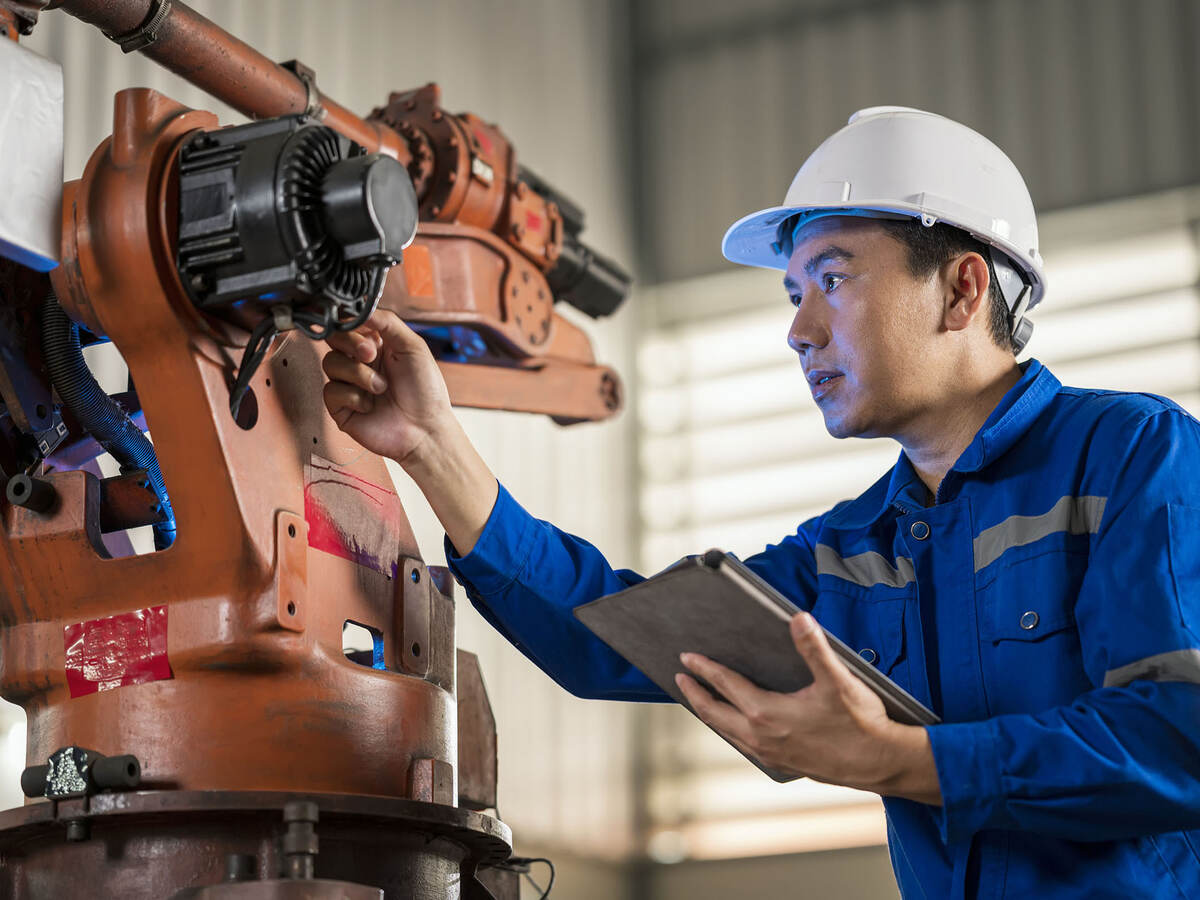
(99, 413)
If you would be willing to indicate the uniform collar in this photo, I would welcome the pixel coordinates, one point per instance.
(1012, 417)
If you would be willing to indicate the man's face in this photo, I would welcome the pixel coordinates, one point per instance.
(864, 327)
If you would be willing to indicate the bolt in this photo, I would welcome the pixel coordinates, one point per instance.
(78, 830)
(435, 210)
(453, 142)
(437, 115)
(241, 867)
(300, 841)
(452, 177)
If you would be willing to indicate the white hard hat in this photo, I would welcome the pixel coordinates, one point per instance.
(896, 162)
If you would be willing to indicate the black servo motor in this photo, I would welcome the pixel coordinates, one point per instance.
(293, 218)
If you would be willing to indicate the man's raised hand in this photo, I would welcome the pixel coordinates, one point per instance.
(385, 389)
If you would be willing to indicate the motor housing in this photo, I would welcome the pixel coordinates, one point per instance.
(287, 212)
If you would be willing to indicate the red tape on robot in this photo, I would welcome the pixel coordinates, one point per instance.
(117, 651)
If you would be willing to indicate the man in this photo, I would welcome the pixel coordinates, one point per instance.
(1029, 568)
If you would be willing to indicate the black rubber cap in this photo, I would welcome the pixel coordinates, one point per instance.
(117, 772)
(370, 207)
(33, 781)
(32, 493)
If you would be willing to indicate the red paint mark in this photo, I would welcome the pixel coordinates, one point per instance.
(351, 517)
(130, 648)
(485, 142)
(533, 222)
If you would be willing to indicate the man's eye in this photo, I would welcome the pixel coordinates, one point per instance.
(830, 282)
(795, 298)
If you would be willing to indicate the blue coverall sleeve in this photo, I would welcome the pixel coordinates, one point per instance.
(1123, 759)
(525, 577)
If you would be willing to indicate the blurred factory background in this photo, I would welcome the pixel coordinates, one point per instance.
(666, 120)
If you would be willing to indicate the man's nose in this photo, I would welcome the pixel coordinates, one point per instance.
(806, 332)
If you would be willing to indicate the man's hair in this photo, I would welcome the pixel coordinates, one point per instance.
(930, 247)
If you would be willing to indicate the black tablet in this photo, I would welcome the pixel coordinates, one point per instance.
(714, 605)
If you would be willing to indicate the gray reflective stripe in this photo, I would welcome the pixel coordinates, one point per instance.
(1074, 515)
(1178, 665)
(866, 569)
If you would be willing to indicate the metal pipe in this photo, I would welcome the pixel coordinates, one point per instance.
(229, 69)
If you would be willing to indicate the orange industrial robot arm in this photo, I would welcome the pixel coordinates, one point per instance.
(217, 664)
(496, 248)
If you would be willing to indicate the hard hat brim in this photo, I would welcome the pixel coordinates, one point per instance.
(751, 240)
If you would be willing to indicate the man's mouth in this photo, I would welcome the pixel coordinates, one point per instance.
(821, 381)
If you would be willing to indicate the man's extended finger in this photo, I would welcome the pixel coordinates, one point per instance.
(340, 367)
(812, 644)
(721, 716)
(737, 689)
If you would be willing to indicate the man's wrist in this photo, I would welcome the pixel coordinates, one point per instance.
(457, 483)
(438, 451)
(912, 771)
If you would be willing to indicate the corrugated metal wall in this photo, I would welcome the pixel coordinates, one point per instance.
(544, 70)
(1092, 99)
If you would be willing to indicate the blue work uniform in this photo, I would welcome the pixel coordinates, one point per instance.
(1046, 606)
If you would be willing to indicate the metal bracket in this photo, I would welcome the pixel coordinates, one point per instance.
(72, 772)
(412, 618)
(312, 104)
(49, 439)
(291, 571)
(145, 34)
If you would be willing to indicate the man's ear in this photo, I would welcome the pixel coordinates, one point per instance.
(967, 281)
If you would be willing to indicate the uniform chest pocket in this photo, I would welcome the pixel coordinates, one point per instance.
(872, 627)
(1029, 643)
(1031, 599)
